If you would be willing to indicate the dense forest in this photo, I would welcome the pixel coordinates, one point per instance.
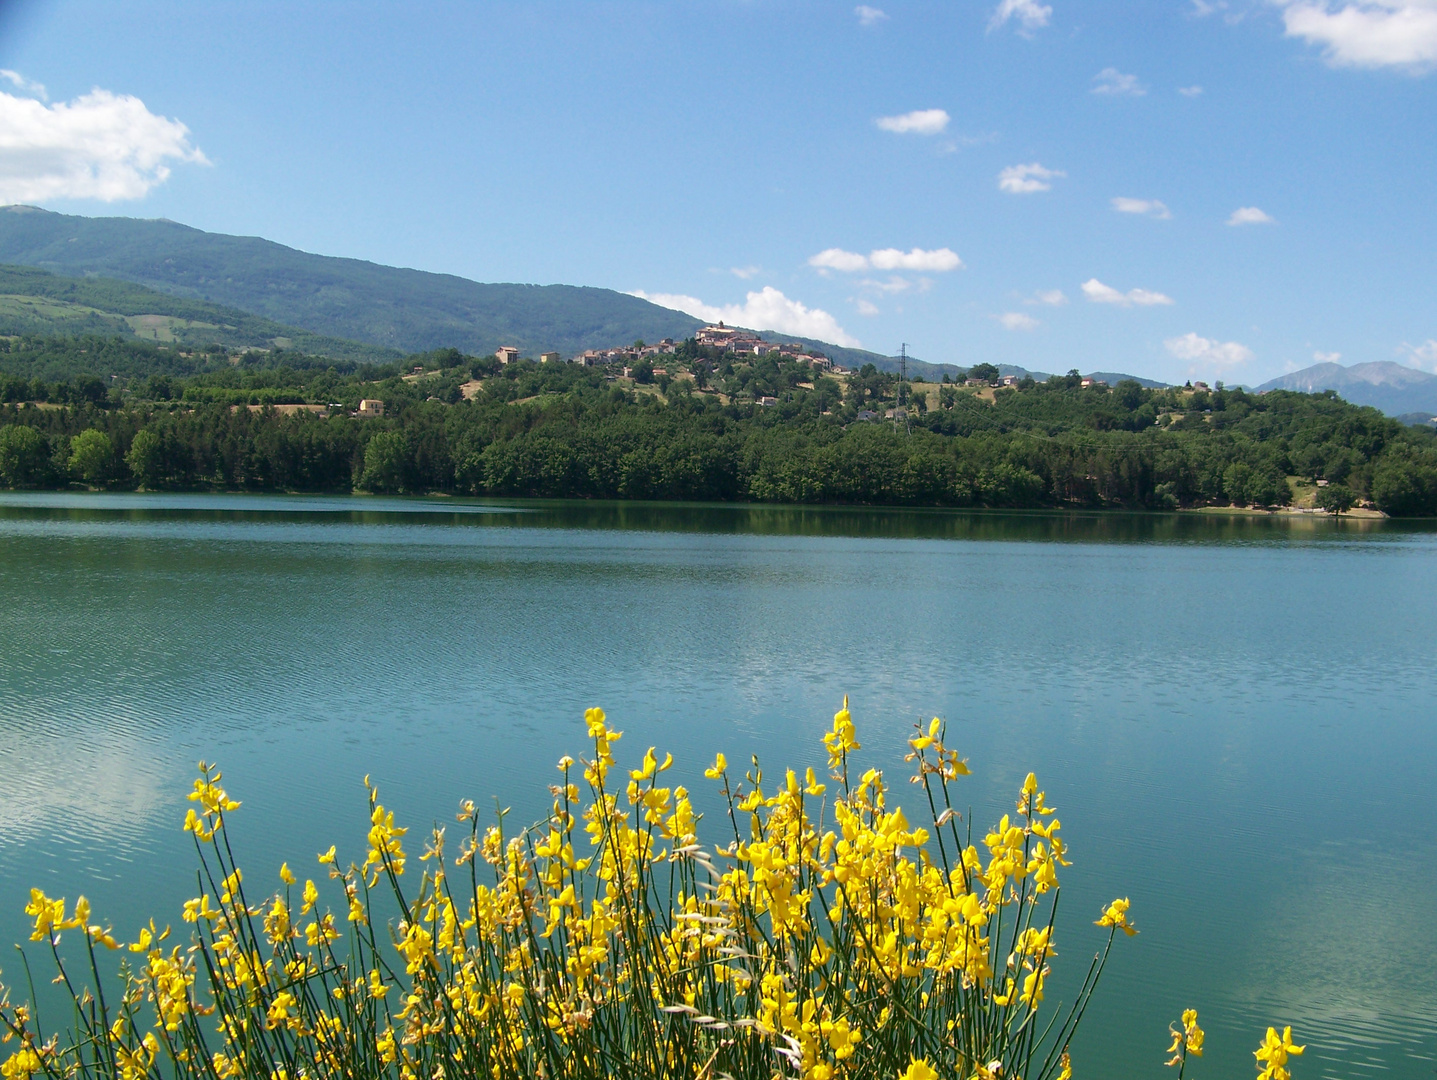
(106, 413)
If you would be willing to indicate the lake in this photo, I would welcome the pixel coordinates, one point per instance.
(1234, 716)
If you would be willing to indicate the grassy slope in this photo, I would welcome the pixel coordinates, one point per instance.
(407, 310)
(36, 302)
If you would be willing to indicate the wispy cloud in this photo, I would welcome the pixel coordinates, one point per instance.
(1326, 357)
(1424, 355)
(767, 309)
(1201, 350)
(1026, 179)
(1190, 91)
(1048, 297)
(15, 79)
(99, 146)
(869, 16)
(1368, 33)
(1029, 14)
(1112, 81)
(745, 272)
(1099, 293)
(846, 262)
(1249, 215)
(1016, 320)
(1146, 207)
(939, 260)
(894, 284)
(918, 122)
(866, 307)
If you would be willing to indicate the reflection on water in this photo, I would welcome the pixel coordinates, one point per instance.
(730, 518)
(1233, 714)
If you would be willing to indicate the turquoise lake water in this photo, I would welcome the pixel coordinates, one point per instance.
(1234, 716)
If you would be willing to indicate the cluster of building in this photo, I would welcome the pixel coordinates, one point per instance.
(727, 339)
(721, 337)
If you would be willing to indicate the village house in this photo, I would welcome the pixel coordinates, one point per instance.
(549, 358)
(371, 407)
(506, 354)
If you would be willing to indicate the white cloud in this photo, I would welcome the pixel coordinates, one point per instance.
(1049, 297)
(1112, 81)
(1424, 355)
(21, 83)
(767, 309)
(99, 146)
(1201, 350)
(869, 16)
(1190, 91)
(838, 259)
(744, 272)
(1030, 14)
(1099, 293)
(867, 307)
(1368, 33)
(1249, 215)
(1025, 179)
(917, 122)
(1327, 357)
(1016, 320)
(894, 284)
(939, 260)
(1148, 207)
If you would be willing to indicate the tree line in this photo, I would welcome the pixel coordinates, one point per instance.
(465, 425)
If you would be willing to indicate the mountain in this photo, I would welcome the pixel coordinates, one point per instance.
(198, 287)
(1112, 378)
(37, 302)
(393, 308)
(1393, 388)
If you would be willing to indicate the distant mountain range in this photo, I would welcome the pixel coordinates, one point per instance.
(195, 287)
(1393, 388)
(395, 309)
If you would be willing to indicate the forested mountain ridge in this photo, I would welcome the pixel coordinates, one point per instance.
(37, 303)
(384, 306)
(407, 310)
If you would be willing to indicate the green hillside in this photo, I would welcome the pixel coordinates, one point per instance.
(37, 303)
(405, 310)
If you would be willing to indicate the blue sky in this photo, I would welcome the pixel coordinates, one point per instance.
(1175, 189)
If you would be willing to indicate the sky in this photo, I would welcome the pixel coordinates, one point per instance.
(1179, 189)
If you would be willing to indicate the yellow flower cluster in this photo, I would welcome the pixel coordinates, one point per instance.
(827, 937)
(1272, 1055)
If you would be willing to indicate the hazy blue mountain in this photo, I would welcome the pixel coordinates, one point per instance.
(37, 302)
(1391, 387)
(406, 310)
(1112, 378)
